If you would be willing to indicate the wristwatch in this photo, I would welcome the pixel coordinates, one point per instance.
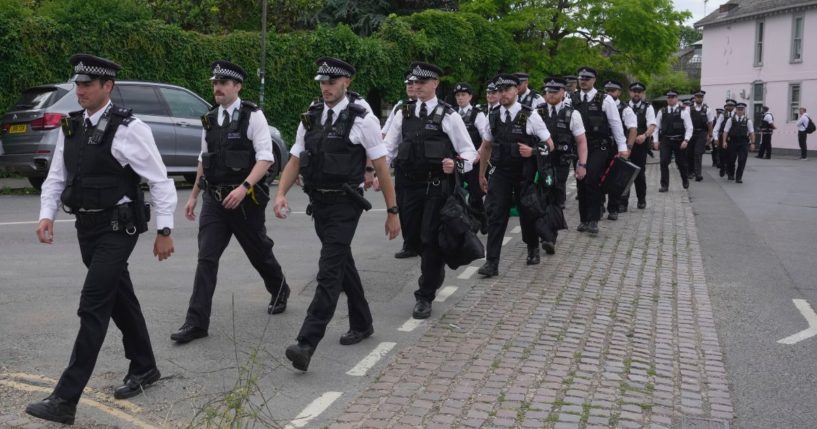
(246, 184)
(164, 231)
(393, 210)
(369, 169)
(579, 164)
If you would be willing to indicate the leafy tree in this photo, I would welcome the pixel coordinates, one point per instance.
(89, 13)
(689, 35)
(224, 16)
(366, 16)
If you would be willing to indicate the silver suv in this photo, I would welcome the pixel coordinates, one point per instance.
(31, 127)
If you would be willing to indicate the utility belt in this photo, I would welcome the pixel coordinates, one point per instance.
(219, 192)
(672, 139)
(603, 145)
(334, 196)
(698, 130)
(120, 218)
(422, 176)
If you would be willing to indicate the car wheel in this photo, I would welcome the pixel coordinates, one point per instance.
(36, 182)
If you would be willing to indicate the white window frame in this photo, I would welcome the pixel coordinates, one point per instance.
(794, 105)
(760, 35)
(794, 38)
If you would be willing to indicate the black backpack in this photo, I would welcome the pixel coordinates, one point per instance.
(810, 127)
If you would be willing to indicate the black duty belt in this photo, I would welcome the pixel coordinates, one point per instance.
(120, 218)
(422, 176)
(329, 196)
(219, 192)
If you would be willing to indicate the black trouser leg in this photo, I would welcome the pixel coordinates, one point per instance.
(335, 225)
(475, 194)
(360, 316)
(214, 235)
(665, 158)
(500, 197)
(248, 225)
(696, 149)
(106, 293)
(801, 140)
(562, 174)
(732, 156)
(399, 192)
(765, 149)
(742, 151)
(715, 155)
(428, 201)
(638, 156)
(590, 195)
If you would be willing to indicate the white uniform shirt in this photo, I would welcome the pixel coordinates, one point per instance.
(628, 115)
(481, 121)
(720, 122)
(576, 123)
(535, 125)
(536, 101)
(257, 131)
(684, 116)
(728, 126)
(365, 131)
(608, 106)
(802, 122)
(649, 113)
(390, 119)
(453, 126)
(132, 145)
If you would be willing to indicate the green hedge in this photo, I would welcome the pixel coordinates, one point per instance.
(35, 50)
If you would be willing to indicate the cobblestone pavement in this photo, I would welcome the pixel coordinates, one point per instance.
(613, 331)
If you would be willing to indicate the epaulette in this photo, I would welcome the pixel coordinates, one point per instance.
(75, 113)
(353, 95)
(67, 130)
(357, 110)
(316, 106)
(526, 107)
(121, 111)
(448, 108)
(249, 104)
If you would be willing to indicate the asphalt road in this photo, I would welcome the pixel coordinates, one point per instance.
(39, 293)
(759, 241)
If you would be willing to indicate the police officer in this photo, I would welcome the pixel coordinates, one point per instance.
(739, 133)
(713, 144)
(703, 119)
(720, 138)
(567, 132)
(331, 146)
(491, 98)
(515, 132)
(767, 127)
(476, 123)
(527, 96)
(604, 129)
(630, 124)
(236, 152)
(674, 132)
(645, 119)
(101, 153)
(571, 87)
(423, 142)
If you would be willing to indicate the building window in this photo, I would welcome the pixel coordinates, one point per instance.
(797, 39)
(794, 101)
(759, 43)
(758, 93)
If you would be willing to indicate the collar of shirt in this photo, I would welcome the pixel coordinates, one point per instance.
(97, 115)
(525, 94)
(698, 106)
(514, 109)
(464, 110)
(230, 109)
(590, 94)
(430, 105)
(558, 106)
(337, 109)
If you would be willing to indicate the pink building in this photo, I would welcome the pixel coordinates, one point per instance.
(763, 52)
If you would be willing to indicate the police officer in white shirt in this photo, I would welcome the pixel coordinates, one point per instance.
(673, 133)
(101, 154)
(739, 133)
(766, 130)
(527, 96)
(477, 123)
(645, 117)
(703, 119)
(630, 128)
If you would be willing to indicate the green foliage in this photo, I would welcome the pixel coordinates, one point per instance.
(678, 81)
(225, 16)
(689, 35)
(87, 13)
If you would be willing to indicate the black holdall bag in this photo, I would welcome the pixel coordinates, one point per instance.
(618, 176)
(456, 235)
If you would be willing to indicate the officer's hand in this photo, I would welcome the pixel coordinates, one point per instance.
(45, 231)
(625, 154)
(376, 184)
(655, 146)
(448, 166)
(483, 183)
(724, 144)
(392, 226)
(639, 139)
(684, 145)
(525, 150)
(280, 207)
(190, 208)
(234, 198)
(163, 247)
(368, 180)
(580, 172)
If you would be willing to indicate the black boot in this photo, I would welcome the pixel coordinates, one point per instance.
(593, 227)
(278, 303)
(533, 256)
(188, 333)
(136, 384)
(489, 269)
(300, 354)
(53, 408)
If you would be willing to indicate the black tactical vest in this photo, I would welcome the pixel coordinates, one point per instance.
(424, 144)
(559, 127)
(505, 149)
(230, 154)
(699, 117)
(470, 124)
(330, 159)
(726, 115)
(672, 124)
(596, 126)
(640, 110)
(766, 127)
(528, 99)
(621, 107)
(739, 132)
(95, 180)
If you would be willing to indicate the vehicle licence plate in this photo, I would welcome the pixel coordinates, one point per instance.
(17, 129)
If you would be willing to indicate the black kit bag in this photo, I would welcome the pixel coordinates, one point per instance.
(618, 176)
(457, 236)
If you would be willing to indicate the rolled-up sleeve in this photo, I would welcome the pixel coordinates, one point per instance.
(366, 133)
(258, 132)
(536, 127)
(454, 126)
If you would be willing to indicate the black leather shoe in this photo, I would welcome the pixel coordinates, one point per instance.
(354, 337)
(405, 253)
(533, 256)
(188, 333)
(686, 184)
(622, 209)
(300, 354)
(53, 409)
(136, 384)
(582, 227)
(731, 178)
(721, 172)
(278, 304)
(593, 227)
(489, 269)
(663, 189)
(422, 309)
(642, 205)
(612, 216)
(699, 178)
(738, 180)
(549, 247)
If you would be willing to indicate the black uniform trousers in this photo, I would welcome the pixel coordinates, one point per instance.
(336, 218)
(106, 294)
(504, 190)
(716, 154)
(562, 173)
(801, 140)
(672, 148)
(695, 153)
(765, 150)
(736, 150)
(216, 225)
(589, 188)
(638, 156)
(422, 202)
(475, 194)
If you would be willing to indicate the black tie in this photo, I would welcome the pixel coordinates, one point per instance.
(328, 123)
(585, 97)
(507, 116)
(552, 112)
(423, 111)
(226, 119)
(88, 124)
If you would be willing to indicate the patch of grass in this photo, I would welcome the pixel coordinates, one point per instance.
(585, 412)
(495, 364)
(646, 407)
(18, 191)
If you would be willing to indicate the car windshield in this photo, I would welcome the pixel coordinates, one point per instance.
(36, 98)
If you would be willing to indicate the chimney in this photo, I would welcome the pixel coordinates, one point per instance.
(726, 7)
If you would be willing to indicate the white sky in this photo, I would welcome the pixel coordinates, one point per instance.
(696, 7)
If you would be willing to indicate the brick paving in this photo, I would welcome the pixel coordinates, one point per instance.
(613, 331)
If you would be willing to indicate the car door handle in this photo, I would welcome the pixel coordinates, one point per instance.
(183, 124)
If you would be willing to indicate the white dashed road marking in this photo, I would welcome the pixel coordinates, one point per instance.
(371, 360)
(314, 409)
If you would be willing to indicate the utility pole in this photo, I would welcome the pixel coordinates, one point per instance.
(261, 70)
